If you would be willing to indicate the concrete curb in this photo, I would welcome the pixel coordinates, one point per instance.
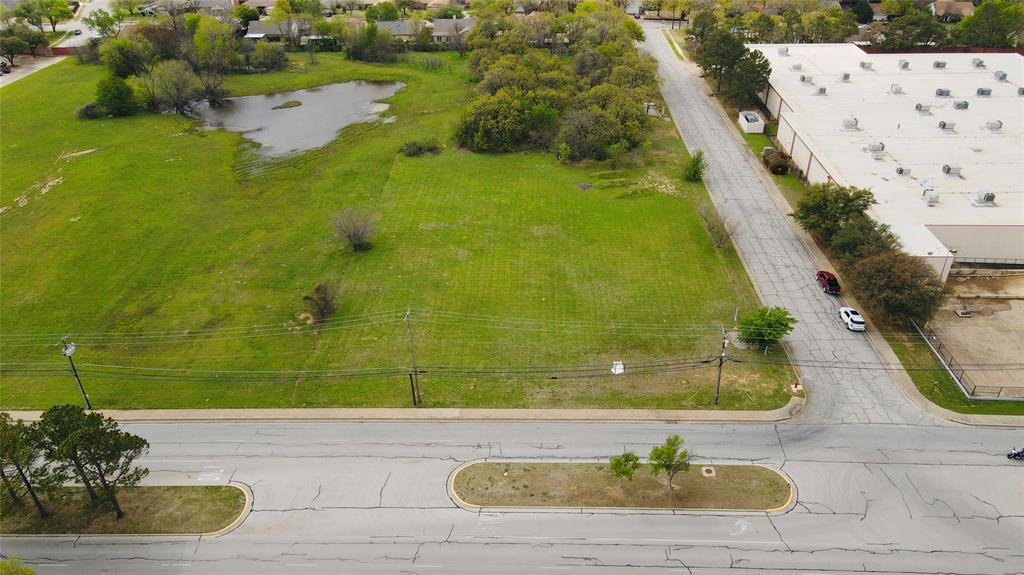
(246, 509)
(788, 411)
(782, 510)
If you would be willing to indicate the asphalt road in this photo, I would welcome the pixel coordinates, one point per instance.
(882, 488)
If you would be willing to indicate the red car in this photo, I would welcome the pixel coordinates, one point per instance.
(828, 282)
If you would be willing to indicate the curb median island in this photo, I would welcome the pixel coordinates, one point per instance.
(589, 486)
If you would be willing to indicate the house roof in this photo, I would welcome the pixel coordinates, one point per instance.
(260, 3)
(401, 27)
(268, 28)
(952, 8)
(452, 27)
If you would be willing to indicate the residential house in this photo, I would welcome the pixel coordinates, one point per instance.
(951, 10)
(275, 32)
(404, 30)
(261, 6)
(447, 30)
(218, 8)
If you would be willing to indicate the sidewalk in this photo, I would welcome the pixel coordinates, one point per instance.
(445, 414)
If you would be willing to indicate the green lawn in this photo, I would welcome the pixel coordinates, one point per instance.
(165, 228)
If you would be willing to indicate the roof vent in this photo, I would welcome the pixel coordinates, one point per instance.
(978, 63)
(784, 51)
(931, 197)
(896, 89)
(925, 108)
(994, 125)
(904, 65)
(951, 170)
(821, 90)
(947, 126)
(844, 77)
(960, 105)
(879, 147)
(850, 124)
(1000, 76)
(796, 67)
(986, 198)
(984, 91)
(901, 171)
(939, 64)
(866, 65)
(943, 92)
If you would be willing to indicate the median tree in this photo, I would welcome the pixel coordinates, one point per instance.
(32, 12)
(54, 428)
(623, 466)
(21, 460)
(109, 455)
(766, 326)
(669, 458)
(903, 287)
(825, 208)
(106, 24)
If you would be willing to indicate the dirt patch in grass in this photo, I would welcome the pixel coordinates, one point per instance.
(732, 487)
(178, 509)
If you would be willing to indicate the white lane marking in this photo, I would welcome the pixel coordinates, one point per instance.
(211, 473)
(300, 564)
(51, 564)
(555, 568)
(621, 540)
(185, 564)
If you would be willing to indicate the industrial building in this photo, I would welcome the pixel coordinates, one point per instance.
(938, 138)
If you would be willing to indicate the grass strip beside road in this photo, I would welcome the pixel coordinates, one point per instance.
(530, 484)
(148, 510)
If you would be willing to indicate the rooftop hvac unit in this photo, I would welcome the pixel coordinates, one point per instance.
(784, 51)
(850, 124)
(995, 125)
(986, 198)
(806, 79)
(844, 77)
(821, 91)
(931, 197)
(1020, 91)
(984, 91)
(879, 147)
(904, 65)
(1000, 76)
(978, 63)
(947, 126)
(796, 67)
(939, 64)
(960, 105)
(866, 65)
(896, 89)
(943, 92)
(923, 107)
(951, 170)
(901, 171)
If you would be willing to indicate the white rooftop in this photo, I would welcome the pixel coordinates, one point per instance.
(882, 96)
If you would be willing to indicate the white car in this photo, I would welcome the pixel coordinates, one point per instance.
(852, 319)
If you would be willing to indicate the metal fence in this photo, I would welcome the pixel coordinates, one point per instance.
(960, 376)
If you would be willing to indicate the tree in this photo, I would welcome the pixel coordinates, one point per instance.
(669, 459)
(717, 229)
(825, 208)
(694, 170)
(176, 85)
(718, 55)
(862, 10)
(747, 79)
(702, 24)
(245, 14)
(321, 301)
(902, 286)
(126, 57)
(55, 12)
(21, 460)
(623, 466)
(383, 11)
(33, 38)
(53, 429)
(267, 56)
(830, 25)
(994, 24)
(106, 24)
(11, 46)
(493, 124)
(31, 11)
(766, 326)
(116, 96)
(916, 28)
(215, 49)
(860, 238)
(356, 227)
(129, 7)
(897, 7)
(109, 456)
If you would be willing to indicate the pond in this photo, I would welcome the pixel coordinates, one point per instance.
(291, 122)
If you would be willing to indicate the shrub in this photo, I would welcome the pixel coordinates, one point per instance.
(321, 301)
(420, 147)
(902, 286)
(493, 124)
(694, 170)
(356, 227)
(766, 326)
(116, 96)
(267, 56)
(713, 223)
(91, 111)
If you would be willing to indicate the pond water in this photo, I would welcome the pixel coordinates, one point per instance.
(292, 128)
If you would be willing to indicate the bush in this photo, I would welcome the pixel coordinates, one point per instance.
(321, 301)
(493, 124)
(91, 111)
(766, 326)
(116, 96)
(356, 227)
(713, 223)
(694, 170)
(267, 56)
(420, 147)
(776, 161)
(903, 287)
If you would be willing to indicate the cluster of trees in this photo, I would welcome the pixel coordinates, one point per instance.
(68, 446)
(740, 74)
(17, 39)
(24, 25)
(573, 82)
(994, 24)
(668, 458)
(884, 277)
(792, 22)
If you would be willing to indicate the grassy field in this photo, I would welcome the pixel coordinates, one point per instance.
(147, 510)
(593, 485)
(161, 245)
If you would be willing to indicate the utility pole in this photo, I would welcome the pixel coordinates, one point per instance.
(721, 362)
(68, 348)
(414, 377)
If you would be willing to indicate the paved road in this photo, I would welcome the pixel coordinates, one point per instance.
(371, 498)
(76, 24)
(776, 259)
